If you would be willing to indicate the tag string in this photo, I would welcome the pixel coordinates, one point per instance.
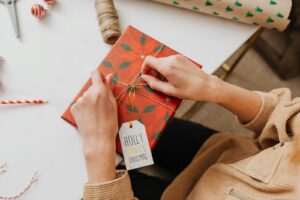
(17, 196)
(132, 89)
(131, 96)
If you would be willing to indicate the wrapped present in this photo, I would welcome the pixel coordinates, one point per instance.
(265, 13)
(136, 100)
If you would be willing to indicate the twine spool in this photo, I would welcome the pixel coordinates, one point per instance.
(108, 20)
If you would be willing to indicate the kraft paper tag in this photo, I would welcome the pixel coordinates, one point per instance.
(135, 145)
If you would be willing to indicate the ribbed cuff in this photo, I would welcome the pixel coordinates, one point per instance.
(117, 189)
(269, 102)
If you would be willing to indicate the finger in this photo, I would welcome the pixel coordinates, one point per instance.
(153, 63)
(97, 79)
(108, 83)
(108, 80)
(156, 84)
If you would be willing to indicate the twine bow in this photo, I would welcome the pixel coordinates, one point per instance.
(132, 89)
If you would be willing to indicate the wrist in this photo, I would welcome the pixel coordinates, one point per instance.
(100, 161)
(92, 149)
(215, 89)
(224, 93)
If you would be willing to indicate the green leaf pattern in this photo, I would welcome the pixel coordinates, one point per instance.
(124, 65)
(115, 78)
(156, 135)
(148, 109)
(149, 89)
(143, 39)
(167, 117)
(159, 48)
(126, 47)
(107, 64)
(131, 108)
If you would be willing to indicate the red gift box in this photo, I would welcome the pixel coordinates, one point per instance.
(151, 108)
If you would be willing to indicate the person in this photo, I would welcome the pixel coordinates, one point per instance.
(207, 165)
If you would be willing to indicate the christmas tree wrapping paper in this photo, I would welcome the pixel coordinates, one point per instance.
(265, 13)
(136, 100)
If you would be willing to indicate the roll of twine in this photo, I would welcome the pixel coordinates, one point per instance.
(108, 20)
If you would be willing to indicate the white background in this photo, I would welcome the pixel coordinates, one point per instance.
(53, 60)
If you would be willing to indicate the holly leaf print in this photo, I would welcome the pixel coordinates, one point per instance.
(107, 64)
(272, 3)
(149, 109)
(167, 117)
(140, 75)
(131, 108)
(126, 47)
(249, 14)
(159, 48)
(156, 135)
(124, 65)
(115, 79)
(143, 39)
(229, 9)
(149, 89)
(258, 9)
(280, 15)
(237, 3)
(140, 120)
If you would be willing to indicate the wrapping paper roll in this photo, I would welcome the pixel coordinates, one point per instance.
(265, 13)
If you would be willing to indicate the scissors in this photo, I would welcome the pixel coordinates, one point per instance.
(11, 6)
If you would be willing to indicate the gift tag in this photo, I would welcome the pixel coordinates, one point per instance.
(135, 145)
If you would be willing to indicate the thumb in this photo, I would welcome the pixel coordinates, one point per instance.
(108, 80)
(159, 85)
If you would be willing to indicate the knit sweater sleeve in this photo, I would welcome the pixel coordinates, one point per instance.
(117, 189)
(278, 119)
(269, 102)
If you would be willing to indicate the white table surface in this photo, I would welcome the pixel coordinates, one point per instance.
(54, 59)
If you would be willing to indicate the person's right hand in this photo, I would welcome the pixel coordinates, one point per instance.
(179, 77)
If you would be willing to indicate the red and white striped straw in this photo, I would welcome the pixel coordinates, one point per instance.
(26, 101)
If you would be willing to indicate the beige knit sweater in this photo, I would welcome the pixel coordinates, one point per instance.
(232, 167)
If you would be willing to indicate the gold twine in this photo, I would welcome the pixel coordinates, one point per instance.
(108, 20)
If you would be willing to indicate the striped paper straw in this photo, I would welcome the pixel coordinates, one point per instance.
(26, 101)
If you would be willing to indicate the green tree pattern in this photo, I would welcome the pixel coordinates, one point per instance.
(230, 8)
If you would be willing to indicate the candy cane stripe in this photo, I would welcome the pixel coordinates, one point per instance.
(12, 102)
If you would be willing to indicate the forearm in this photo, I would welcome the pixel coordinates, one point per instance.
(243, 103)
(100, 161)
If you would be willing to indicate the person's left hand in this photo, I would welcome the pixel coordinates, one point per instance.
(96, 116)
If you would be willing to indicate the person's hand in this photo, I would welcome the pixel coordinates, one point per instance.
(179, 77)
(96, 116)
